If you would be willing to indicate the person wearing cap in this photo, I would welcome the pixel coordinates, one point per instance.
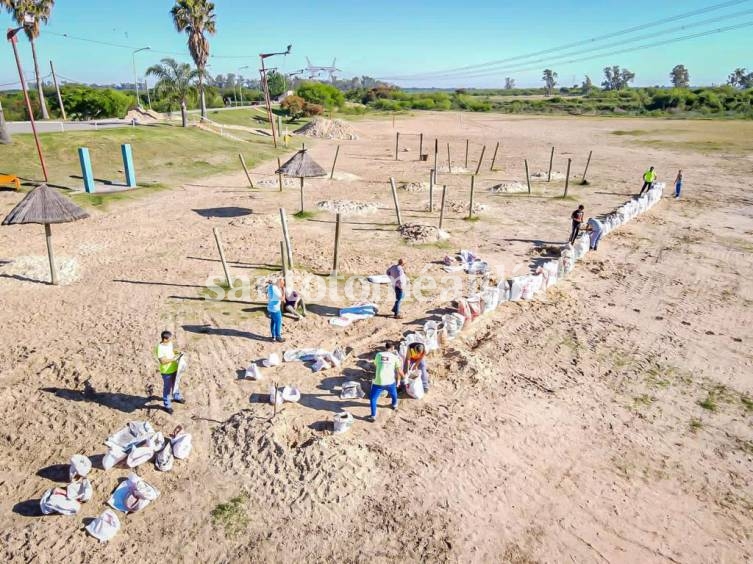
(649, 177)
(168, 358)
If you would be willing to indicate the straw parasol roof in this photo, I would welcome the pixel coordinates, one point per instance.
(301, 165)
(44, 205)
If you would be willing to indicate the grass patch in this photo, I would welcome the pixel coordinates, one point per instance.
(631, 132)
(709, 403)
(443, 244)
(231, 516)
(102, 200)
(304, 215)
(643, 399)
(747, 402)
(472, 219)
(695, 425)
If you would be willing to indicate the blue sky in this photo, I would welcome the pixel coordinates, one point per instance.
(396, 38)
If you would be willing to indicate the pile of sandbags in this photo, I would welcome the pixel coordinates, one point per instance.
(137, 442)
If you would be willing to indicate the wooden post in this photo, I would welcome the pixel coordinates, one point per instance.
(567, 177)
(50, 256)
(481, 159)
(551, 160)
(494, 157)
(436, 152)
(222, 255)
(588, 162)
(336, 260)
(470, 205)
(397, 204)
(397, 143)
(286, 236)
(441, 207)
(332, 174)
(282, 262)
(57, 89)
(279, 175)
(245, 169)
(420, 145)
(431, 191)
(301, 194)
(528, 179)
(449, 161)
(466, 153)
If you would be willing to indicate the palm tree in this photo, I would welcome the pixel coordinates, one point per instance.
(196, 17)
(4, 134)
(174, 82)
(40, 10)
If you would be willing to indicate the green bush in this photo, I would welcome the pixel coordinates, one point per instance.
(320, 93)
(85, 102)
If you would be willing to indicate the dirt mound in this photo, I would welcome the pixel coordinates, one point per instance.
(292, 468)
(324, 128)
(347, 207)
(418, 234)
(542, 175)
(275, 182)
(508, 188)
(455, 206)
(345, 176)
(415, 186)
(456, 169)
(142, 116)
(265, 221)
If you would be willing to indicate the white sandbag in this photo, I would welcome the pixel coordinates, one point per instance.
(182, 445)
(104, 527)
(453, 323)
(156, 442)
(139, 456)
(139, 493)
(320, 364)
(549, 271)
(490, 299)
(379, 279)
(291, 394)
(351, 390)
(113, 456)
(477, 267)
(581, 246)
(275, 397)
(339, 355)
(182, 366)
(80, 490)
(342, 422)
(273, 360)
(503, 291)
(431, 336)
(164, 460)
(303, 355)
(80, 466)
(133, 433)
(55, 500)
(413, 385)
(531, 285)
(517, 284)
(253, 372)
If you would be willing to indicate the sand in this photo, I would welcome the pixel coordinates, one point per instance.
(609, 422)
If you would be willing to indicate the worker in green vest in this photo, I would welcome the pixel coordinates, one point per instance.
(168, 358)
(388, 369)
(649, 177)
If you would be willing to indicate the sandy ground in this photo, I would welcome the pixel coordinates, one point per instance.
(563, 430)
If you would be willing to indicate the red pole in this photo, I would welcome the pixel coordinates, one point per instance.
(12, 38)
(268, 100)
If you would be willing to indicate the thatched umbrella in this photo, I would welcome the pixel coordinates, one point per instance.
(301, 166)
(44, 205)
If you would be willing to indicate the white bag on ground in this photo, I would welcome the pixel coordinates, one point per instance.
(413, 386)
(342, 422)
(113, 456)
(351, 390)
(431, 336)
(55, 500)
(80, 490)
(320, 364)
(80, 466)
(139, 456)
(253, 372)
(290, 394)
(104, 527)
(453, 323)
(517, 285)
(164, 460)
(182, 444)
(273, 360)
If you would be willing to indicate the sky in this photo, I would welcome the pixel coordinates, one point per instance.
(400, 38)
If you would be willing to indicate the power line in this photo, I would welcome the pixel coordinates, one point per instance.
(446, 72)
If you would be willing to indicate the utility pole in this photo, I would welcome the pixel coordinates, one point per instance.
(135, 76)
(265, 85)
(57, 89)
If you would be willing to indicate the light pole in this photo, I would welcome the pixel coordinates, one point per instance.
(135, 76)
(11, 36)
(241, 82)
(265, 84)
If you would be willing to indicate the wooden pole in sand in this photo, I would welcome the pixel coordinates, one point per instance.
(279, 174)
(222, 255)
(282, 261)
(466, 153)
(567, 177)
(470, 204)
(397, 204)
(245, 169)
(332, 174)
(286, 236)
(420, 145)
(481, 159)
(588, 162)
(528, 178)
(436, 152)
(431, 190)
(449, 160)
(551, 160)
(397, 143)
(494, 157)
(301, 194)
(441, 207)
(336, 260)
(50, 255)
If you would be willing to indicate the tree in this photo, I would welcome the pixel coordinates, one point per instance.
(175, 81)
(616, 78)
(320, 93)
(293, 106)
(196, 18)
(680, 77)
(587, 86)
(84, 102)
(509, 83)
(40, 10)
(276, 83)
(550, 80)
(740, 79)
(4, 134)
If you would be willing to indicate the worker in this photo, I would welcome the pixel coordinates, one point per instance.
(168, 357)
(649, 177)
(275, 293)
(388, 374)
(396, 272)
(293, 303)
(577, 217)
(595, 228)
(678, 183)
(415, 359)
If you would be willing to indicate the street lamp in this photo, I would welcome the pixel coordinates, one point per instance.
(265, 84)
(11, 36)
(135, 76)
(241, 82)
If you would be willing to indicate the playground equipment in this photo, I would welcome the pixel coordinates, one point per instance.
(88, 175)
(10, 179)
